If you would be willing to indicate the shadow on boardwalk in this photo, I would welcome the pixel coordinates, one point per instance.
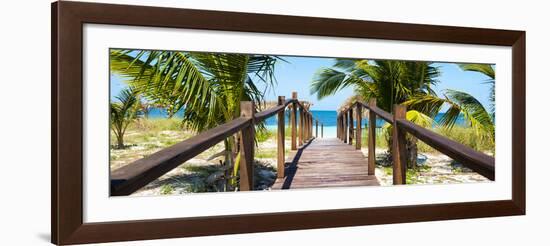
(292, 167)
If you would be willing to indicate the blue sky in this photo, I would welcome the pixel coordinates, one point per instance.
(297, 74)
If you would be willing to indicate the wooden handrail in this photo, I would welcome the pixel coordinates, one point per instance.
(302, 106)
(271, 111)
(475, 160)
(268, 112)
(129, 178)
(379, 112)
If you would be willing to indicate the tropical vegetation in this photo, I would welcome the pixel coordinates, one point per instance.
(122, 113)
(390, 82)
(409, 83)
(460, 103)
(207, 86)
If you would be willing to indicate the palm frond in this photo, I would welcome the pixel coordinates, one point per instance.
(474, 113)
(419, 118)
(328, 81)
(486, 69)
(458, 103)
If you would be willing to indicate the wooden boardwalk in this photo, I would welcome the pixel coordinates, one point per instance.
(325, 162)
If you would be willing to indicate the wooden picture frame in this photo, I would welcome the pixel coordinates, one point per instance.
(67, 122)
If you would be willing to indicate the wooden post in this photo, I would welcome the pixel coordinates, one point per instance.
(293, 122)
(372, 138)
(312, 121)
(341, 127)
(321, 130)
(316, 129)
(399, 153)
(309, 126)
(304, 131)
(345, 126)
(301, 126)
(340, 123)
(246, 165)
(281, 139)
(337, 126)
(306, 126)
(350, 125)
(358, 119)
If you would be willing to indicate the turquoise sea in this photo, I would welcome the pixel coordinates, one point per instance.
(327, 117)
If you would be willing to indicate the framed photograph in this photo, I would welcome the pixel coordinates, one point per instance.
(175, 122)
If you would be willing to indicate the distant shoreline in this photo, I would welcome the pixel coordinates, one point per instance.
(325, 117)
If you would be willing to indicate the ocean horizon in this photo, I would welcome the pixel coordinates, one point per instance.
(326, 117)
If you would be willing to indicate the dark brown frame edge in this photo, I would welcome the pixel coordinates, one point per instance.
(66, 157)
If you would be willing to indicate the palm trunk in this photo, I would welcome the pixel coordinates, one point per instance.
(120, 141)
(228, 165)
(412, 152)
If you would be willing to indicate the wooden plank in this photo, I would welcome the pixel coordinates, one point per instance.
(325, 162)
(399, 148)
(246, 165)
(372, 137)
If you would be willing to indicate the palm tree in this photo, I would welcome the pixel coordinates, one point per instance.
(488, 71)
(208, 86)
(123, 113)
(461, 103)
(457, 103)
(390, 82)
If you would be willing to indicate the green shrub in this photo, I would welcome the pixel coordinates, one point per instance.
(463, 135)
(157, 124)
(166, 190)
(264, 135)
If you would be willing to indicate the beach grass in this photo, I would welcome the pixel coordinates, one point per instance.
(147, 136)
(463, 135)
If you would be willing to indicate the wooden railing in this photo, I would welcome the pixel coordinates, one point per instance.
(477, 161)
(130, 178)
